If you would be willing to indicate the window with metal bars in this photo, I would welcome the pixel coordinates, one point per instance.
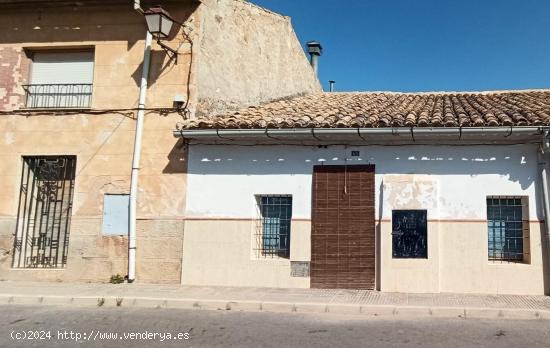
(44, 214)
(273, 232)
(508, 228)
(60, 79)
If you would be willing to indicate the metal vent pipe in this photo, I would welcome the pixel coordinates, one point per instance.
(315, 50)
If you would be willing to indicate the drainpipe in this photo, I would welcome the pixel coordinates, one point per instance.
(136, 159)
(542, 156)
(315, 50)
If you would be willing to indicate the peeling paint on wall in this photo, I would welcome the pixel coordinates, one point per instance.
(9, 138)
(410, 191)
(233, 175)
(13, 73)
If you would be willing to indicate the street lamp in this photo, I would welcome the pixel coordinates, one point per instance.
(159, 24)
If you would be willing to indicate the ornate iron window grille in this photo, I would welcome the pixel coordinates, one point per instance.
(506, 225)
(44, 213)
(410, 234)
(44, 96)
(273, 229)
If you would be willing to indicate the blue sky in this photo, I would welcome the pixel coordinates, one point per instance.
(426, 45)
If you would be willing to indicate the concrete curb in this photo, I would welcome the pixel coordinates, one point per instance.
(382, 311)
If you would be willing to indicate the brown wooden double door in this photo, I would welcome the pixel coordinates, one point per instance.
(343, 227)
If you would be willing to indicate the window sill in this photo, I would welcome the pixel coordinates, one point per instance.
(273, 260)
(410, 258)
(508, 264)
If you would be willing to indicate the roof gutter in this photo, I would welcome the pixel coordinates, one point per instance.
(362, 133)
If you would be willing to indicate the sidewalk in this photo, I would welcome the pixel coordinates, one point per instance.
(358, 302)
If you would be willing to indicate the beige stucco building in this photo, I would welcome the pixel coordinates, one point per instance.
(69, 86)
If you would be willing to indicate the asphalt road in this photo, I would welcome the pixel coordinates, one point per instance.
(87, 327)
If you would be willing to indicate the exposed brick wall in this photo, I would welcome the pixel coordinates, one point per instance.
(14, 70)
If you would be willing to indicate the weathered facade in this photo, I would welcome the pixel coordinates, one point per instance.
(435, 192)
(95, 124)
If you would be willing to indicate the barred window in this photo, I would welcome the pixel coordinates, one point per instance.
(508, 228)
(273, 232)
(60, 79)
(44, 214)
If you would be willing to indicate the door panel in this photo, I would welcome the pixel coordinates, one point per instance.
(343, 231)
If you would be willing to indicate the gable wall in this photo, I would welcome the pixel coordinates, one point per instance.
(248, 56)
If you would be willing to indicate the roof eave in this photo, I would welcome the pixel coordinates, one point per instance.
(398, 135)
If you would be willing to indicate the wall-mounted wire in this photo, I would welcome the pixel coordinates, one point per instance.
(127, 112)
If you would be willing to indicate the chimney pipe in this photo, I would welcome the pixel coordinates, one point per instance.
(315, 50)
(331, 83)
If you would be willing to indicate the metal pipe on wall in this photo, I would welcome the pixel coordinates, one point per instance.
(544, 179)
(543, 165)
(136, 159)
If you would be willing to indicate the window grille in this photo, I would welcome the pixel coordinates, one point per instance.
(44, 214)
(506, 227)
(410, 234)
(273, 232)
(43, 96)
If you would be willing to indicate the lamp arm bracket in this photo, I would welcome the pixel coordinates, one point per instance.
(172, 53)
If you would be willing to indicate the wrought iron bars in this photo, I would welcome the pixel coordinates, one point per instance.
(273, 232)
(505, 224)
(44, 96)
(44, 213)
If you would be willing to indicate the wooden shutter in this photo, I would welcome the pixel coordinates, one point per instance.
(343, 227)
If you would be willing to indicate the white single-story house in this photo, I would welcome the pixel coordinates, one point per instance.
(400, 192)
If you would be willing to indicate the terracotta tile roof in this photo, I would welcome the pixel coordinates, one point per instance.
(387, 109)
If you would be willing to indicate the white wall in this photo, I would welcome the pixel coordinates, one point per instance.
(223, 180)
(452, 183)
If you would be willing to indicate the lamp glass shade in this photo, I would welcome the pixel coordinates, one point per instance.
(153, 23)
(159, 24)
(166, 25)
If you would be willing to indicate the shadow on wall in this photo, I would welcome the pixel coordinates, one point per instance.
(160, 66)
(177, 163)
(82, 23)
(516, 161)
